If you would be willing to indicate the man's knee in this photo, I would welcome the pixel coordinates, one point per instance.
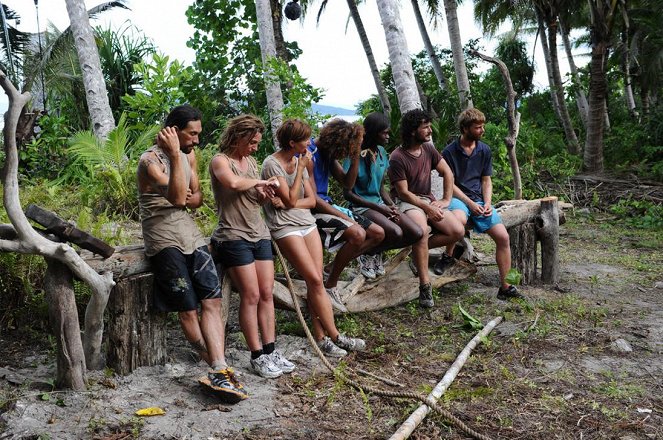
(500, 235)
(210, 305)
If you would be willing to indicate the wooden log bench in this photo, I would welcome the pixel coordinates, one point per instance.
(137, 334)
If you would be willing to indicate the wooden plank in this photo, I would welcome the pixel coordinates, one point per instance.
(67, 231)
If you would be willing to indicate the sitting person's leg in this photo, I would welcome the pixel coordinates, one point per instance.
(398, 234)
(462, 213)
(305, 255)
(446, 233)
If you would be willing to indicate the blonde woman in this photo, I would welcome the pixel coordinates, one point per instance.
(242, 240)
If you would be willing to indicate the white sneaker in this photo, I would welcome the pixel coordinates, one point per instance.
(335, 296)
(330, 349)
(378, 265)
(281, 362)
(366, 266)
(350, 344)
(265, 367)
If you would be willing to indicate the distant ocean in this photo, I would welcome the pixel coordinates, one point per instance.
(336, 112)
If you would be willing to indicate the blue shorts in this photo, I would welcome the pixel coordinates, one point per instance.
(481, 222)
(182, 281)
(235, 253)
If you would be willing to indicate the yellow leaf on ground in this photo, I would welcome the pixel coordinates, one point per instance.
(151, 411)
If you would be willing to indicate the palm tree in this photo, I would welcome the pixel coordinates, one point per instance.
(548, 11)
(462, 80)
(602, 18)
(13, 42)
(581, 98)
(399, 56)
(93, 78)
(268, 51)
(430, 50)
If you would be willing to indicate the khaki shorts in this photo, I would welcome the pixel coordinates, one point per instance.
(405, 206)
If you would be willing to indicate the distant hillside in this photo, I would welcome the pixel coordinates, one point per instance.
(329, 110)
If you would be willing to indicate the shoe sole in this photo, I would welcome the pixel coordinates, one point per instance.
(226, 395)
(334, 355)
(287, 370)
(268, 375)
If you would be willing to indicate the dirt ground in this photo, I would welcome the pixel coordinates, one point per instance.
(581, 360)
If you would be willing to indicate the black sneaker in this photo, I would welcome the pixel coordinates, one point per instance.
(426, 295)
(229, 388)
(443, 263)
(509, 293)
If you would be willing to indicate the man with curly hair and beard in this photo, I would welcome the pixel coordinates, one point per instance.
(410, 167)
(350, 236)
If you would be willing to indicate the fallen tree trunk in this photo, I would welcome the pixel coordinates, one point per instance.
(416, 417)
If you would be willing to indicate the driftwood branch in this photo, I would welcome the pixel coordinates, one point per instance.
(28, 241)
(416, 417)
(513, 118)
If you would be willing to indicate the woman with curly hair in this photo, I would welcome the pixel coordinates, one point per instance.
(368, 196)
(350, 235)
(293, 228)
(242, 241)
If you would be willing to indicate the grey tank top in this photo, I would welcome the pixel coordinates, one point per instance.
(238, 212)
(163, 224)
(283, 221)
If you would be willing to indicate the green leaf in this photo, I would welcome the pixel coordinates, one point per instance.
(470, 321)
(514, 277)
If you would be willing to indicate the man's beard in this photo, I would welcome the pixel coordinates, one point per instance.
(421, 139)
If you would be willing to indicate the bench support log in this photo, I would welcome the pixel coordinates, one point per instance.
(63, 316)
(548, 231)
(136, 333)
(522, 239)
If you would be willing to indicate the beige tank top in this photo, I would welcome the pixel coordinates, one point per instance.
(238, 212)
(165, 225)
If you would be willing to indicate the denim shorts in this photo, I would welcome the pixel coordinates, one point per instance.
(240, 252)
(481, 222)
(182, 281)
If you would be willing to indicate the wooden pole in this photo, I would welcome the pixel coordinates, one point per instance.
(416, 417)
(63, 315)
(548, 230)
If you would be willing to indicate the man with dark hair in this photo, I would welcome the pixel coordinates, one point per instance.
(472, 164)
(184, 273)
(410, 167)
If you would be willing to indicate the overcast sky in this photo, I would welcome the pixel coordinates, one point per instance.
(332, 58)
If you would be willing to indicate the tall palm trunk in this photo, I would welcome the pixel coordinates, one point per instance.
(430, 50)
(598, 89)
(399, 56)
(277, 19)
(626, 67)
(382, 92)
(96, 96)
(462, 80)
(569, 133)
(602, 15)
(581, 98)
(268, 51)
(546, 56)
